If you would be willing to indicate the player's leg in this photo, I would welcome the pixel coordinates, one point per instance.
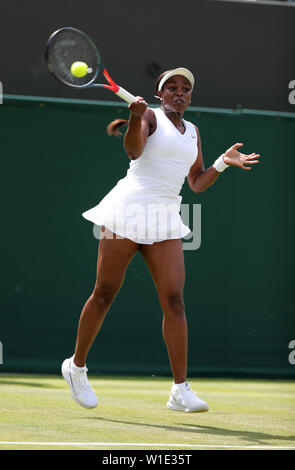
(114, 256)
(165, 261)
(166, 264)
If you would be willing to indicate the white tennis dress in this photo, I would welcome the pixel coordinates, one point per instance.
(145, 205)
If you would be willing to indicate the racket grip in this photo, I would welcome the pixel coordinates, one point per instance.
(125, 95)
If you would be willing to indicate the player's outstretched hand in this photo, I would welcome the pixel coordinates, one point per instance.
(138, 107)
(235, 158)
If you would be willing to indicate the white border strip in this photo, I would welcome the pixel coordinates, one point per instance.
(140, 444)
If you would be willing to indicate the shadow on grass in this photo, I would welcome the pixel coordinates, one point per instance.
(259, 438)
(28, 384)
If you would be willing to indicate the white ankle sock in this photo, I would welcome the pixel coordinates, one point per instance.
(177, 385)
(74, 365)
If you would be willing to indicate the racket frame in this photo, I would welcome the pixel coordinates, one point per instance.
(112, 85)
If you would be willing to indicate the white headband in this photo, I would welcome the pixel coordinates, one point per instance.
(180, 71)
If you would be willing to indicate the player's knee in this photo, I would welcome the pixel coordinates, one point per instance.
(175, 303)
(104, 294)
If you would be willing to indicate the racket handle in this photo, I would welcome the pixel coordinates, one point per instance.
(125, 95)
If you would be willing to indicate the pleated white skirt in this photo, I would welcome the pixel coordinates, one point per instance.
(141, 215)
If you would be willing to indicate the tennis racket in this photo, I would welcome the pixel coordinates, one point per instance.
(69, 45)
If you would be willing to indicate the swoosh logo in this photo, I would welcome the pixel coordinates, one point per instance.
(72, 382)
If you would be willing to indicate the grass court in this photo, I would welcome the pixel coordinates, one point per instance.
(37, 412)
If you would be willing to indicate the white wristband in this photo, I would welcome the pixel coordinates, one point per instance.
(219, 164)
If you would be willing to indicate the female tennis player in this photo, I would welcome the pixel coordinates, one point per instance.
(163, 149)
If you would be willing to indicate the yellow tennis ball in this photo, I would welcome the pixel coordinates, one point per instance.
(79, 69)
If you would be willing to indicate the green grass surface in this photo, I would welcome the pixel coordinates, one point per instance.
(133, 410)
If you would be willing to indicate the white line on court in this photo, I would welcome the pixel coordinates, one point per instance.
(141, 444)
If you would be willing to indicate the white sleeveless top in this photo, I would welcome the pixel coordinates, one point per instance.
(144, 206)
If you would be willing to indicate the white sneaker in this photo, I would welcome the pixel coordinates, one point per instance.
(76, 378)
(182, 398)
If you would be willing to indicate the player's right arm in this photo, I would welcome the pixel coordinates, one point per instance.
(141, 124)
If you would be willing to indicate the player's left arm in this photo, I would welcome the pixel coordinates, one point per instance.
(200, 179)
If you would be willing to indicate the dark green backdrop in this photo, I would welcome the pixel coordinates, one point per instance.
(57, 161)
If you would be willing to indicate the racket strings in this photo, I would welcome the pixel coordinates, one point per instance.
(68, 46)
